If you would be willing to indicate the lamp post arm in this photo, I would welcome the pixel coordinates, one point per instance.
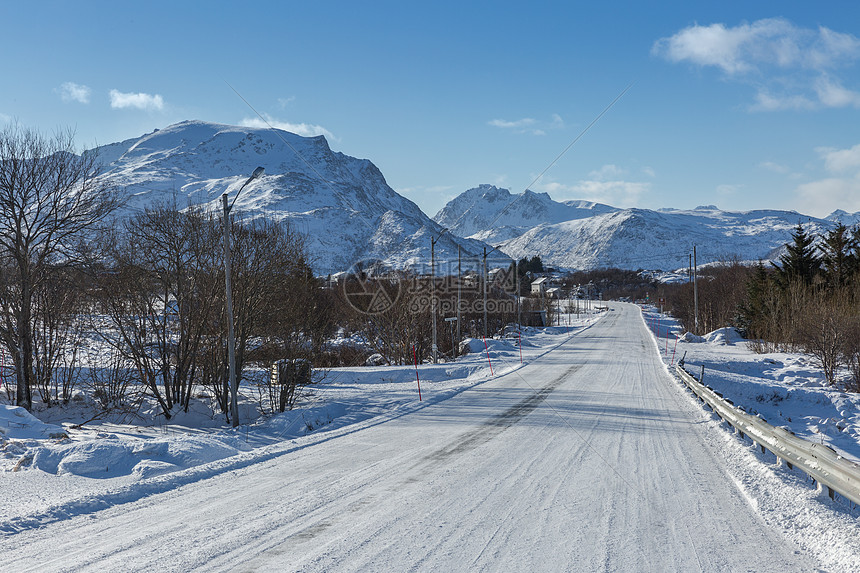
(258, 172)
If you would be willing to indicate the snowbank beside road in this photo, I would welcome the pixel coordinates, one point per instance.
(16, 423)
(786, 389)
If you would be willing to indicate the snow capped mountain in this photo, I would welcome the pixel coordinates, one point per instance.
(847, 219)
(645, 239)
(342, 204)
(588, 235)
(491, 214)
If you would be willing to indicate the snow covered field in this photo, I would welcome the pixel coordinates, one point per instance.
(587, 457)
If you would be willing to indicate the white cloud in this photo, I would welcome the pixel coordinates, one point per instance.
(840, 191)
(607, 172)
(764, 43)
(774, 54)
(765, 101)
(518, 124)
(713, 45)
(775, 167)
(529, 125)
(283, 102)
(616, 193)
(71, 91)
(5, 118)
(728, 189)
(820, 198)
(144, 101)
(839, 160)
(833, 94)
(649, 172)
(303, 129)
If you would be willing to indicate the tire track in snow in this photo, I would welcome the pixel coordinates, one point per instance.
(498, 423)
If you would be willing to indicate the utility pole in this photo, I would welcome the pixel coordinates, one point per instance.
(517, 287)
(459, 281)
(695, 292)
(228, 271)
(433, 289)
(485, 286)
(485, 293)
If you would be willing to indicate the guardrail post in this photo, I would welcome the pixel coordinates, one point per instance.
(820, 463)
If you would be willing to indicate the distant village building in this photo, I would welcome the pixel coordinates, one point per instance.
(540, 285)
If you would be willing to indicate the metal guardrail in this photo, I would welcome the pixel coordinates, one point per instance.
(820, 462)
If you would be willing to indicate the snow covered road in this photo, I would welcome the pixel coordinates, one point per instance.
(589, 459)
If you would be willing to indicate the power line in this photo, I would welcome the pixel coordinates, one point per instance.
(560, 155)
(305, 161)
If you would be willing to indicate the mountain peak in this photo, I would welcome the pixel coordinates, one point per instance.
(342, 204)
(494, 214)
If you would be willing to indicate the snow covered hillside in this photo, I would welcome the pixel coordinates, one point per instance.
(641, 238)
(586, 235)
(847, 219)
(342, 204)
(492, 214)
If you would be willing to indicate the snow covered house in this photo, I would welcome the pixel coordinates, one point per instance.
(540, 286)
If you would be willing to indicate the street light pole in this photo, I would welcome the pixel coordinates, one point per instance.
(228, 271)
(433, 289)
(459, 280)
(695, 293)
(517, 288)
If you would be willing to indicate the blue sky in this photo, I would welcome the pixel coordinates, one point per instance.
(745, 105)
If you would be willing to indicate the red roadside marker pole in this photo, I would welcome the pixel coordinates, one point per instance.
(415, 356)
(520, 332)
(487, 349)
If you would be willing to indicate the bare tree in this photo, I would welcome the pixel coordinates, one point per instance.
(58, 336)
(851, 352)
(159, 296)
(50, 199)
(824, 330)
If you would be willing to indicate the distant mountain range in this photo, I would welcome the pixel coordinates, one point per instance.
(585, 235)
(348, 213)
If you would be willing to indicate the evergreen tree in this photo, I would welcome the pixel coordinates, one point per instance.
(752, 312)
(799, 264)
(838, 251)
(523, 267)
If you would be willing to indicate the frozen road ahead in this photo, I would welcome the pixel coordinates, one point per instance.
(589, 459)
